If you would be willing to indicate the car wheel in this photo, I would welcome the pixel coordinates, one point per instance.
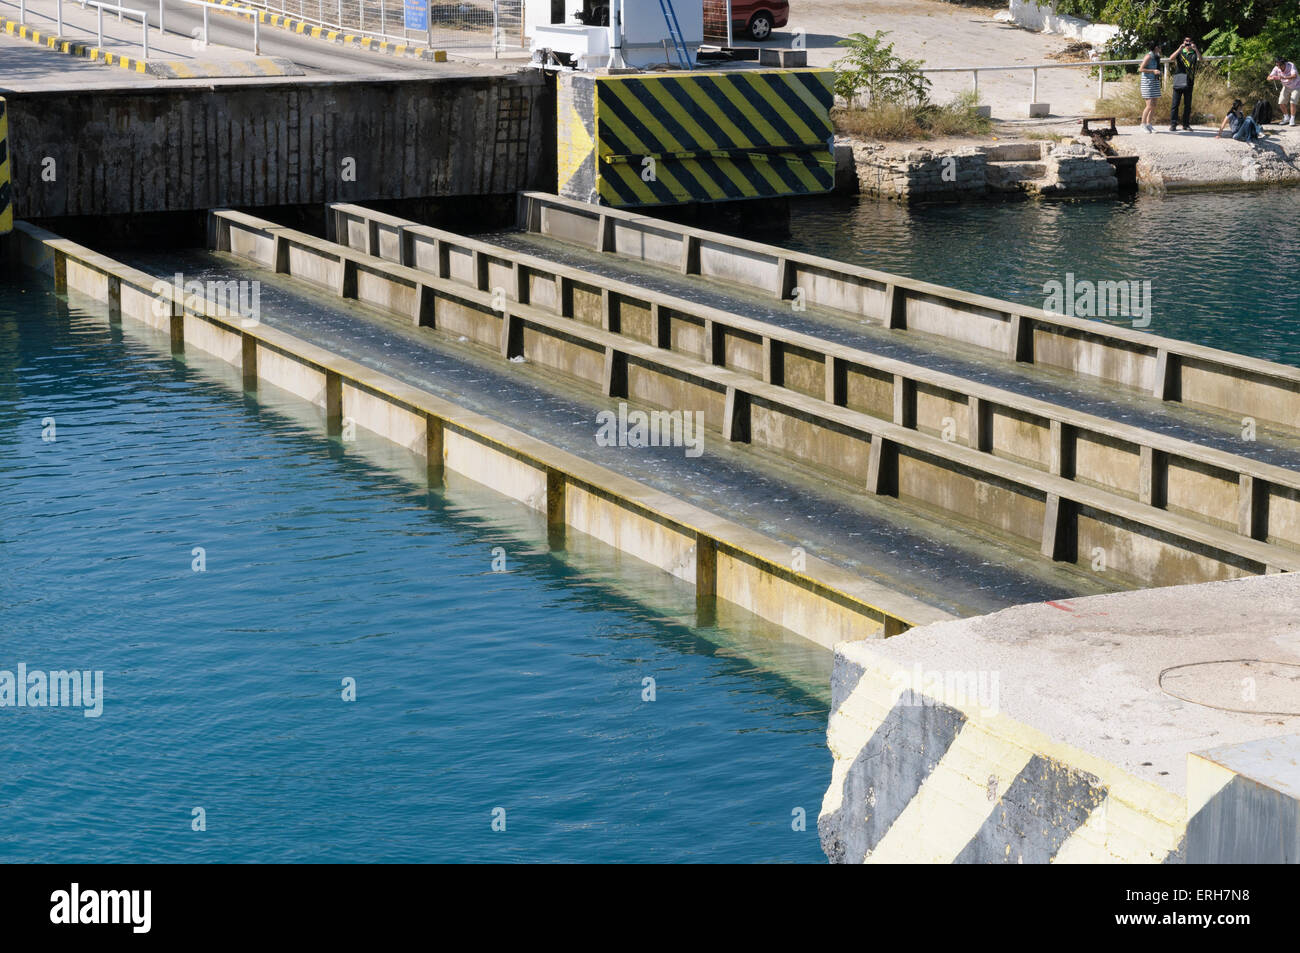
(760, 26)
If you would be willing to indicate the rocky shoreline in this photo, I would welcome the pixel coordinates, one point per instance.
(1069, 165)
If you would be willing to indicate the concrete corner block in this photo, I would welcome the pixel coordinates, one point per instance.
(1243, 803)
(1037, 110)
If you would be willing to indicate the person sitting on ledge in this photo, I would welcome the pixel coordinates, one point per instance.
(1242, 127)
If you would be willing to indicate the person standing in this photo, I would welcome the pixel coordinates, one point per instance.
(1285, 72)
(1149, 72)
(1184, 60)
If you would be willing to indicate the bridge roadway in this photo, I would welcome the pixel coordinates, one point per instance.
(911, 553)
(229, 40)
(1031, 380)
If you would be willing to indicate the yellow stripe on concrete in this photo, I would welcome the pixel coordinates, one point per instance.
(953, 803)
(6, 185)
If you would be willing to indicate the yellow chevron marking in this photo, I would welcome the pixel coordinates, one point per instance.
(1118, 832)
(952, 803)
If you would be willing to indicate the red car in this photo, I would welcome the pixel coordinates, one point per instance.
(759, 17)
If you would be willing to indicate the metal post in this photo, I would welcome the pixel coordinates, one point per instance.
(99, 20)
(145, 42)
(976, 74)
(361, 16)
(340, 19)
(205, 26)
(731, 40)
(1033, 88)
(1101, 81)
(162, 23)
(60, 6)
(257, 36)
(383, 18)
(22, 12)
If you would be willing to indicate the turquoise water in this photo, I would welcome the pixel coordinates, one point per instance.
(1224, 267)
(476, 689)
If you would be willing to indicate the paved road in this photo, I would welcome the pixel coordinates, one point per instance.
(230, 37)
(314, 56)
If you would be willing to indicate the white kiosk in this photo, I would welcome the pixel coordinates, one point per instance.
(615, 33)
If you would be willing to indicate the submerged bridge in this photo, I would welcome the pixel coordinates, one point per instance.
(886, 465)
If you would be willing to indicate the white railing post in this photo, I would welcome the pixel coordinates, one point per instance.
(205, 26)
(144, 33)
(1033, 88)
(340, 20)
(976, 74)
(60, 27)
(383, 18)
(162, 23)
(1101, 81)
(257, 36)
(22, 12)
(99, 21)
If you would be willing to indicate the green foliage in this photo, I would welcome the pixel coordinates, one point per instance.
(866, 68)
(1217, 25)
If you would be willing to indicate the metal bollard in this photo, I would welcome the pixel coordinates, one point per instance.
(257, 37)
(205, 26)
(145, 34)
(100, 23)
(162, 23)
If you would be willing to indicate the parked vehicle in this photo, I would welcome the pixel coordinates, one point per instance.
(759, 17)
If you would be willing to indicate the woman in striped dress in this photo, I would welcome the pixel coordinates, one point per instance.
(1150, 73)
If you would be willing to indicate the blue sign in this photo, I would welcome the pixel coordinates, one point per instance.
(417, 14)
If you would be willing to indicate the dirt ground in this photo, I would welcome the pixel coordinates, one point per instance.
(949, 35)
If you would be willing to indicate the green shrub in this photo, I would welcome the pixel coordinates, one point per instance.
(871, 67)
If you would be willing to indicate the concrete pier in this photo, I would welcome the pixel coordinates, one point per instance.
(1075, 732)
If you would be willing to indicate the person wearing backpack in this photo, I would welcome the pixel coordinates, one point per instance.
(1243, 128)
(1184, 60)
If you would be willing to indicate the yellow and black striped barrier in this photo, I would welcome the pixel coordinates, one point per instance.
(6, 188)
(667, 139)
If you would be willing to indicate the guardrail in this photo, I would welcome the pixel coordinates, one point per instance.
(1218, 381)
(1036, 511)
(250, 12)
(468, 20)
(1223, 490)
(1099, 65)
(99, 22)
(825, 603)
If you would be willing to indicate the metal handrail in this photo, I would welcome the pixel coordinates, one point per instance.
(223, 8)
(382, 33)
(1083, 64)
(100, 7)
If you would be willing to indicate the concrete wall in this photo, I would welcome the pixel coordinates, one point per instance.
(788, 389)
(161, 148)
(1144, 469)
(1215, 380)
(1072, 732)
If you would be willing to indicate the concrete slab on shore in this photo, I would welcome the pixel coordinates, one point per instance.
(1105, 673)
(1060, 731)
